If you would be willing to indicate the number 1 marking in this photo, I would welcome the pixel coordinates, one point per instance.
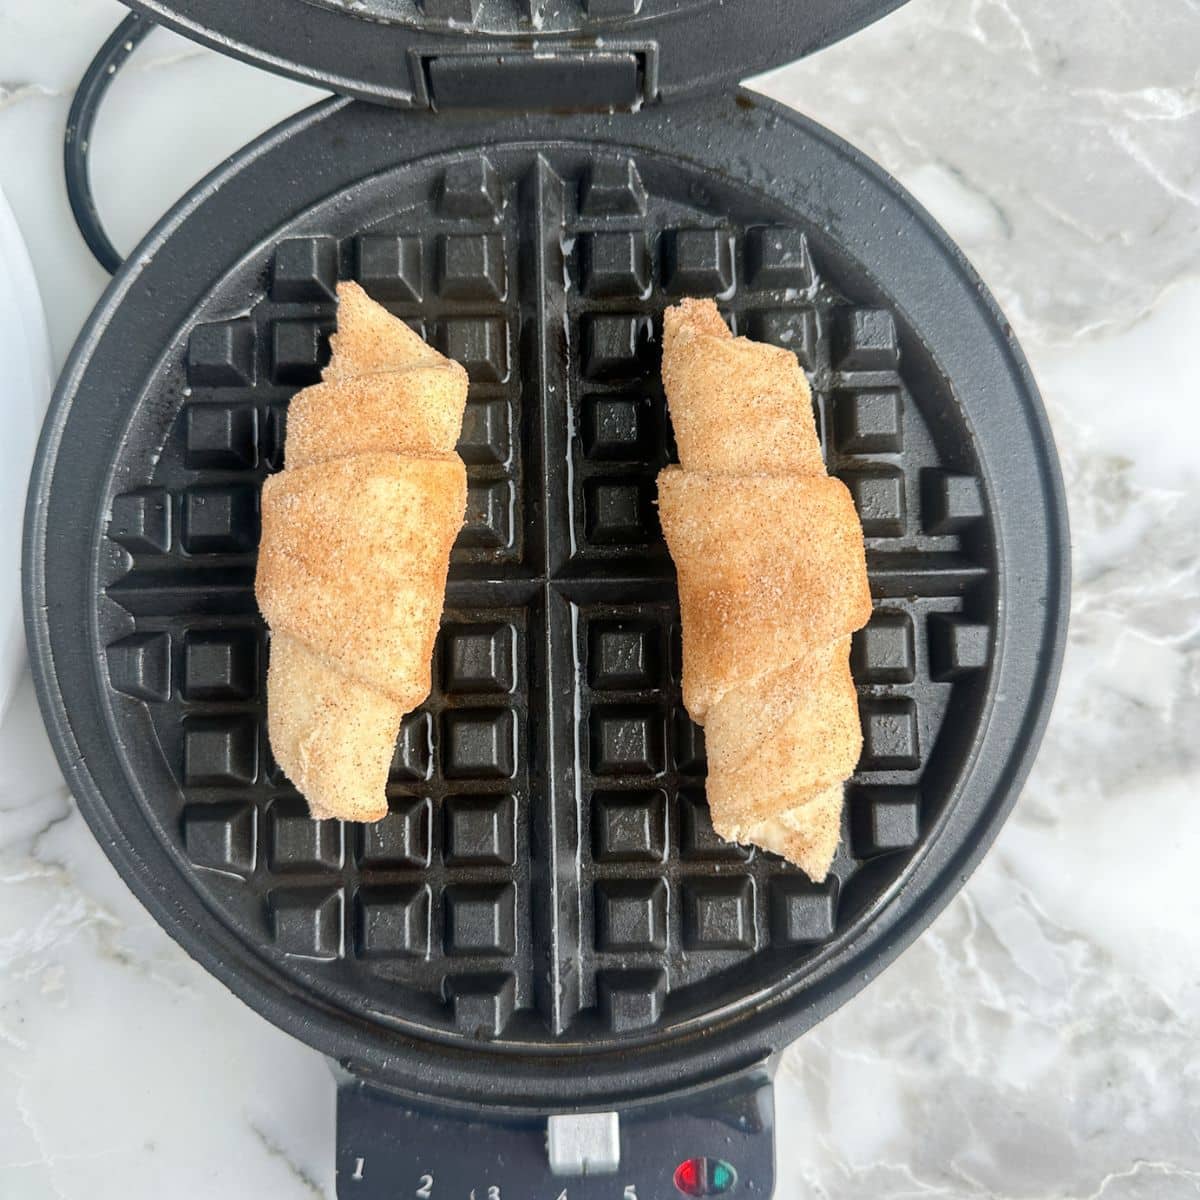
(358, 1168)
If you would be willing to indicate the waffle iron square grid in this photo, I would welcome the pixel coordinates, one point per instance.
(547, 866)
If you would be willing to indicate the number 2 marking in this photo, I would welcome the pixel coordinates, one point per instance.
(426, 1188)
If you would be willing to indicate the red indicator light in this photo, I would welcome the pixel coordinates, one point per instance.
(689, 1177)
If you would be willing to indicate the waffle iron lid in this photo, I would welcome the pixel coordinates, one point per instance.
(517, 54)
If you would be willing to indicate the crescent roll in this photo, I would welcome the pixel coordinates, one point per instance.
(769, 555)
(356, 538)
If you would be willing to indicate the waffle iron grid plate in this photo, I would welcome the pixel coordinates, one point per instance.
(545, 916)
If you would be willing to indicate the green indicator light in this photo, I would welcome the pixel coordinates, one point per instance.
(721, 1177)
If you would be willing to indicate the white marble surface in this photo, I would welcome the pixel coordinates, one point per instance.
(1040, 1040)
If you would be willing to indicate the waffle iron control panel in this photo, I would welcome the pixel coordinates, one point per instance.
(719, 1142)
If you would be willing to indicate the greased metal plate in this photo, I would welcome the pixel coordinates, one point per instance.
(545, 913)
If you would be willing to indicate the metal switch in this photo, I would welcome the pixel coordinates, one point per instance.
(584, 1143)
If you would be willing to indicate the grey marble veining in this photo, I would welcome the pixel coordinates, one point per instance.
(1058, 136)
(1040, 1040)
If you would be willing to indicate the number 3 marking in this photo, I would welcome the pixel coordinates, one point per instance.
(493, 1193)
(426, 1188)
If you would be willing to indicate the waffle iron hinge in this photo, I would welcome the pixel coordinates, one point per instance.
(608, 76)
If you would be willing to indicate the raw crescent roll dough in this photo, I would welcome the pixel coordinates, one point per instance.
(769, 554)
(356, 537)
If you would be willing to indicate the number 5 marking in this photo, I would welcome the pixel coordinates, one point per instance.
(630, 1192)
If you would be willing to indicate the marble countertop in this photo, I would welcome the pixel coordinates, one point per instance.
(1039, 1040)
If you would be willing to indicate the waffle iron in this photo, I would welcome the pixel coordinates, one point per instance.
(541, 975)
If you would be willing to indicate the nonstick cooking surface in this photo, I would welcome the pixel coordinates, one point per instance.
(514, 16)
(547, 881)
(543, 16)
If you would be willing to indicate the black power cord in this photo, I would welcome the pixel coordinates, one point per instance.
(78, 138)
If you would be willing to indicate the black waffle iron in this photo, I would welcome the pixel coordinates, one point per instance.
(542, 975)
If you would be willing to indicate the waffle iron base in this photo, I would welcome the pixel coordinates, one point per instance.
(545, 918)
